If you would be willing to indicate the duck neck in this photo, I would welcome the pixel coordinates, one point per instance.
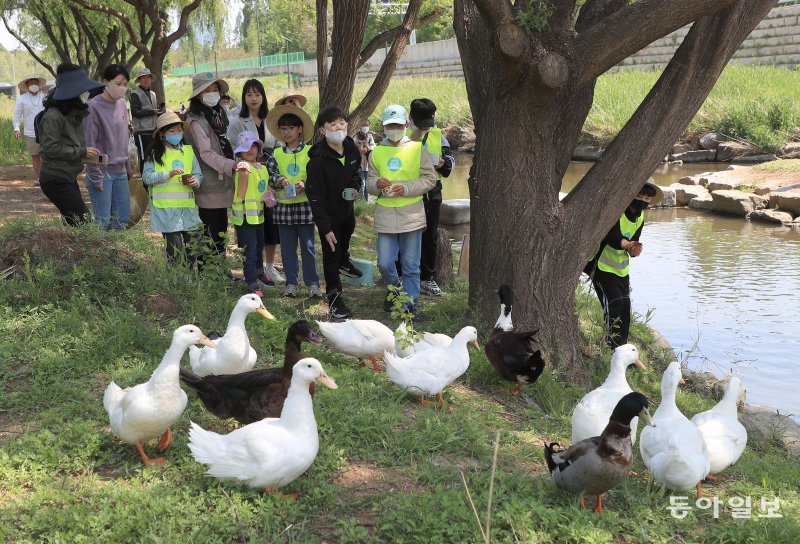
(504, 321)
(668, 395)
(616, 376)
(298, 409)
(291, 353)
(237, 318)
(729, 400)
(167, 372)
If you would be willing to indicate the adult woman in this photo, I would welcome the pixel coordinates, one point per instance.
(251, 119)
(63, 142)
(207, 136)
(107, 130)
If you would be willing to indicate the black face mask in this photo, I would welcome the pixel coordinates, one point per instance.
(638, 206)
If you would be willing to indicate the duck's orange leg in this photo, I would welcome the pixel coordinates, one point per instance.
(165, 442)
(145, 459)
(375, 366)
(699, 489)
(423, 401)
(441, 401)
(515, 389)
(598, 507)
(278, 493)
(583, 506)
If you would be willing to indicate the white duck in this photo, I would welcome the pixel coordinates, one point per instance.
(725, 437)
(273, 452)
(426, 340)
(429, 372)
(143, 412)
(591, 414)
(674, 450)
(360, 338)
(233, 353)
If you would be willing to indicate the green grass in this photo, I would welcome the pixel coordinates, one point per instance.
(786, 165)
(84, 309)
(12, 151)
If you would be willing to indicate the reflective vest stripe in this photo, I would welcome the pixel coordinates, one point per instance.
(617, 261)
(173, 193)
(398, 164)
(287, 162)
(252, 207)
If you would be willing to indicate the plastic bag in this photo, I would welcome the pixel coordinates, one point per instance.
(133, 154)
(269, 198)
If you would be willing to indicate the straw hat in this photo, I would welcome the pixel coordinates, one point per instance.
(23, 85)
(659, 193)
(201, 82)
(166, 119)
(277, 112)
(287, 95)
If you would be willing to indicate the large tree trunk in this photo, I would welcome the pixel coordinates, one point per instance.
(530, 95)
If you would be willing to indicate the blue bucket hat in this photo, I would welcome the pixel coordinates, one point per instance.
(246, 141)
(72, 84)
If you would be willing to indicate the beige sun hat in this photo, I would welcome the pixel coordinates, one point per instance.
(659, 193)
(144, 72)
(287, 95)
(277, 112)
(23, 85)
(168, 118)
(204, 80)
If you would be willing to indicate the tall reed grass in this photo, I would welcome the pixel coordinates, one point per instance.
(11, 151)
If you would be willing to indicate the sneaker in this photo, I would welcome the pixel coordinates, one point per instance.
(265, 280)
(430, 288)
(255, 289)
(339, 310)
(314, 292)
(37, 184)
(290, 291)
(274, 274)
(348, 270)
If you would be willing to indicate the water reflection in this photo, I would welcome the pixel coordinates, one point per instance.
(724, 291)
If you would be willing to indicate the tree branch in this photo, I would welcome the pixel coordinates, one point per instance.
(562, 15)
(183, 23)
(632, 28)
(322, 45)
(597, 10)
(388, 35)
(125, 22)
(26, 45)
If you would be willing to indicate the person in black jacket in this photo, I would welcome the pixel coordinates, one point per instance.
(333, 184)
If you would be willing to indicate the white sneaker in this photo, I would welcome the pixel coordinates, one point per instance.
(291, 291)
(314, 291)
(430, 288)
(274, 274)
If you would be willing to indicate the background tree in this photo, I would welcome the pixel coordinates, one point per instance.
(530, 79)
(294, 19)
(348, 29)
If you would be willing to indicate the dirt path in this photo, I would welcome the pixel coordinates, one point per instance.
(19, 196)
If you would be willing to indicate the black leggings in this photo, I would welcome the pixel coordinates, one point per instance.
(176, 247)
(66, 196)
(215, 226)
(614, 294)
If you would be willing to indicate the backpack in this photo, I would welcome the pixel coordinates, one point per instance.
(36, 122)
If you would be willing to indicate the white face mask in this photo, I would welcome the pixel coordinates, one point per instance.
(115, 91)
(394, 135)
(365, 130)
(335, 137)
(211, 99)
(84, 96)
(33, 89)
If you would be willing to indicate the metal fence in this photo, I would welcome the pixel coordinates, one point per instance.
(240, 64)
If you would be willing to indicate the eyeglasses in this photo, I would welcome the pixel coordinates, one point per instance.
(287, 129)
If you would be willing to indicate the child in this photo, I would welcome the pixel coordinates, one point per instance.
(400, 172)
(333, 184)
(366, 143)
(173, 211)
(247, 209)
(287, 172)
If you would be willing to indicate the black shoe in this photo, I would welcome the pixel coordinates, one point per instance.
(339, 310)
(349, 270)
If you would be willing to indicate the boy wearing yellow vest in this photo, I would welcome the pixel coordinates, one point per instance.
(287, 177)
(400, 172)
(172, 173)
(422, 129)
(247, 209)
(333, 185)
(610, 266)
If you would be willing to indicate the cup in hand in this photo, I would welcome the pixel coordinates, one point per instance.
(387, 191)
(185, 178)
(349, 193)
(290, 190)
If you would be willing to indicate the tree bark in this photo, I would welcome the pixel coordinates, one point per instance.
(349, 25)
(526, 130)
(322, 45)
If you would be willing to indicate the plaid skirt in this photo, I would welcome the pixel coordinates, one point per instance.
(292, 214)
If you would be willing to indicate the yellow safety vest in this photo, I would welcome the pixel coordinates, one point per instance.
(399, 163)
(433, 143)
(173, 193)
(252, 208)
(292, 166)
(617, 261)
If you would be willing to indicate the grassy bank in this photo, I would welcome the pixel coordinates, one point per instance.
(87, 307)
(11, 151)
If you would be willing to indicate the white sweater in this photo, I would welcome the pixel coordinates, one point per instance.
(27, 106)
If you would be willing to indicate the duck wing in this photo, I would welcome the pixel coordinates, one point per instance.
(239, 395)
(513, 355)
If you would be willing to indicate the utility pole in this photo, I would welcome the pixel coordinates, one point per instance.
(216, 69)
(288, 74)
(258, 30)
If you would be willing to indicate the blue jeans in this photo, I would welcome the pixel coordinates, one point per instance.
(407, 246)
(251, 239)
(290, 235)
(112, 205)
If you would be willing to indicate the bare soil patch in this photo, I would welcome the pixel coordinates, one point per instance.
(158, 304)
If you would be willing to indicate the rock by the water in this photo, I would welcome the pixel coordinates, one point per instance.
(790, 151)
(696, 156)
(690, 180)
(587, 153)
(719, 387)
(737, 202)
(461, 138)
(755, 159)
(726, 151)
(685, 193)
(711, 140)
(669, 198)
(702, 202)
(454, 212)
(768, 424)
(787, 199)
(771, 216)
(681, 147)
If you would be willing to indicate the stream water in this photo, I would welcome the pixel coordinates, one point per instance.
(722, 290)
